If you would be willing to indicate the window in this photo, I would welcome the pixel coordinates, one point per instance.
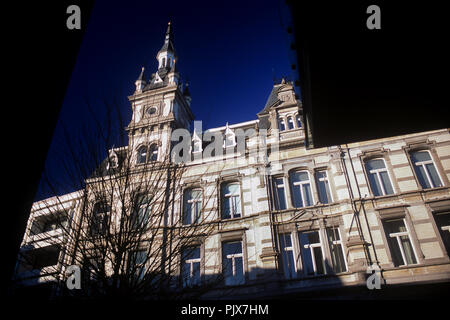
(190, 266)
(136, 263)
(312, 253)
(336, 250)
(151, 111)
(192, 206)
(301, 189)
(287, 256)
(142, 212)
(231, 201)
(399, 242)
(233, 264)
(425, 169)
(282, 125)
(41, 257)
(299, 122)
(279, 193)
(379, 177)
(142, 154)
(443, 223)
(290, 123)
(153, 153)
(100, 218)
(323, 187)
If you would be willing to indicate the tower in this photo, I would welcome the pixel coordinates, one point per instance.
(159, 106)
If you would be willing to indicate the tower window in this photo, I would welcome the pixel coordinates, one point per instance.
(299, 122)
(153, 153)
(151, 111)
(282, 125)
(142, 154)
(290, 123)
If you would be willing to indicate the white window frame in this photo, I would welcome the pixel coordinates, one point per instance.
(378, 177)
(327, 184)
(230, 196)
(290, 248)
(313, 257)
(279, 186)
(297, 121)
(302, 191)
(191, 262)
(397, 235)
(423, 165)
(233, 256)
(290, 119)
(151, 153)
(142, 155)
(339, 242)
(280, 123)
(192, 202)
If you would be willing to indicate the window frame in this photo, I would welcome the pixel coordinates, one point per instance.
(184, 202)
(378, 177)
(423, 165)
(397, 235)
(241, 255)
(191, 262)
(276, 187)
(301, 183)
(326, 181)
(227, 197)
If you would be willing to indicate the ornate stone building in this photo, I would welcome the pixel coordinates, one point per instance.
(289, 218)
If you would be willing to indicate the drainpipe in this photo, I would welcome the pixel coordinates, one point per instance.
(363, 207)
(352, 200)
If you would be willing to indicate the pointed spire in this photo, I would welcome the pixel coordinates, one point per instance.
(140, 82)
(168, 41)
(169, 34)
(142, 75)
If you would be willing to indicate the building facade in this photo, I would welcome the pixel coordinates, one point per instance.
(288, 219)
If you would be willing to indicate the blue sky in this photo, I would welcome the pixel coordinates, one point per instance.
(230, 51)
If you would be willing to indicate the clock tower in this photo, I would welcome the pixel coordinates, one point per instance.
(160, 105)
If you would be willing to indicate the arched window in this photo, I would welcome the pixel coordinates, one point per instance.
(290, 123)
(163, 63)
(425, 170)
(378, 177)
(142, 154)
(153, 152)
(168, 62)
(192, 206)
(231, 200)
(282, 125)
(301, 189)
